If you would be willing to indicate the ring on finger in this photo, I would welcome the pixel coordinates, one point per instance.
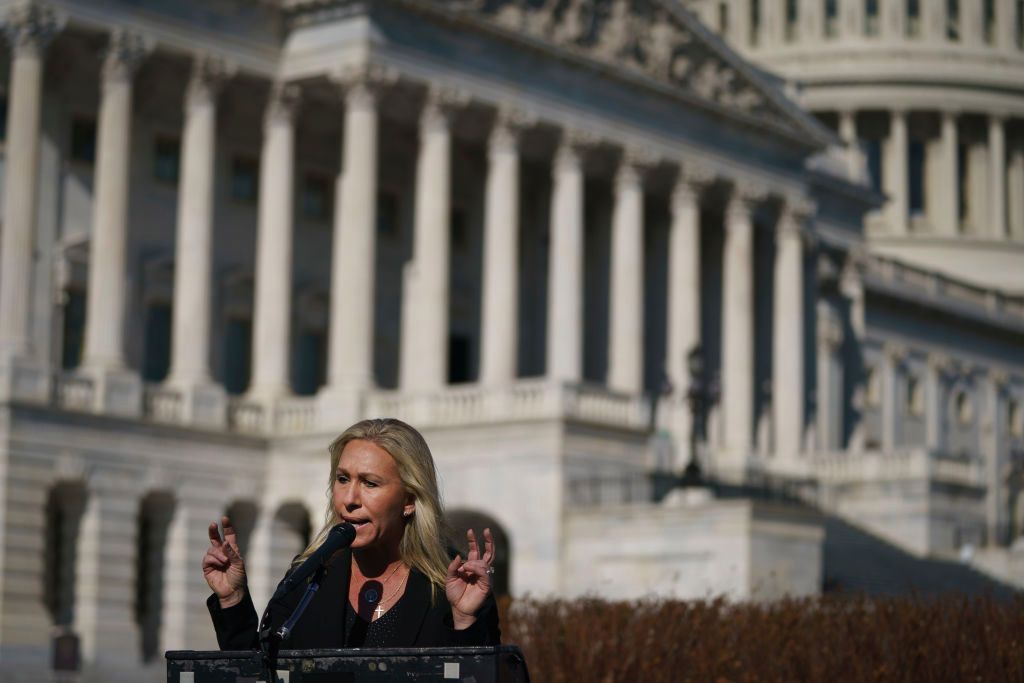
(490, 570)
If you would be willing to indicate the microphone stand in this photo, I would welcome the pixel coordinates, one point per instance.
(270, 641)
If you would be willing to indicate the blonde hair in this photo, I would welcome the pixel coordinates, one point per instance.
(421, 546)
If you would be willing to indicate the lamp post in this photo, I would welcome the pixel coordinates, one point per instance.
(697, 396)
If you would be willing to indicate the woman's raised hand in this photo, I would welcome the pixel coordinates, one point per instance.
(223, 567)
(469, 582)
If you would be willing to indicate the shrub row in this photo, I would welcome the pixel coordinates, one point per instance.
(954, 638)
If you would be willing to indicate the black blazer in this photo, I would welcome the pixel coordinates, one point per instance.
(322, 625)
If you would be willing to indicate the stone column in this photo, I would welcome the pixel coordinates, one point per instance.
(565, 264)
(186, 622)
(105, 305)
(684, 289)
(772, 23)
(190, 333)
(829, 384)
(947, 202)
(626, 286)
(104, 574)
(424, 354)
(894, 177)
(854, 155)
(1015, 190)
(938, 366)
(997, 176)
(738, 327)
(500, 307)
(972, 24)
(788, 388)
(893, 355)
(29, 29)
(272, 313)
(851, 285)
(354, 248)
(977, 191)
(1007, 22)
(933, 16)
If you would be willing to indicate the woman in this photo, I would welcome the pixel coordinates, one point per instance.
(395, 586)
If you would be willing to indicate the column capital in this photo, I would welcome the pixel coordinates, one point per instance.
(123, 54)
(574, 143)
(441, 103)
(282, 103)
(31, 26)
(209, 74)
(746, 195)
(941, 363)
(693, 178)
(799, 209)
(363, 83)
(999, 378)
(509, 124)
(634, 165)
(894, 352)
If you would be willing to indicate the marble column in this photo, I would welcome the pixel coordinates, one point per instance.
(972, 22)
(788, 389)
(977, 190)
(565, 264)
(1015, 190)
(1006, 21)
(105, 303)
(500, 309)
(938, 366)
(997, 176)
(272, 311)
(626, 282)
(684, 290)
(424, 353)
(29, 29)
(354, 248)
(894, 177)
(893, 355)
(947, 217)
(737, 399)
(850, 18)
(854, 155)
(190, 332)
(851, 285)
(811, 21)
(829, 379)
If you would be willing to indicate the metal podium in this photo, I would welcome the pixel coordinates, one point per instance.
(499, 664)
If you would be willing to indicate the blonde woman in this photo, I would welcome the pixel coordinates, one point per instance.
(395, 586)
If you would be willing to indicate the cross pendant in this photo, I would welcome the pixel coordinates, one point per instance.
(379, 612)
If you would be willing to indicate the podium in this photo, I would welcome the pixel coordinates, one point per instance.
(497, 664)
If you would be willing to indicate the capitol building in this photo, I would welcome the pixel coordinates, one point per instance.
(586, 246)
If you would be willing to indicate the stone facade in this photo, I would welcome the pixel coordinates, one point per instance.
(230, 229)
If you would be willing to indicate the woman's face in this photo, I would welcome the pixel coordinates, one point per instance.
(368, 493)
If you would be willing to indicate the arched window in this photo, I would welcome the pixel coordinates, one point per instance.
(915, 396)
(64, 507)
(155, 512)
(963, 408)
(243, 518)
(461, 520)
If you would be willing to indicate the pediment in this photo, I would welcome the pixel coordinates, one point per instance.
(657, 40)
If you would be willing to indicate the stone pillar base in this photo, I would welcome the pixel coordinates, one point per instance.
(114, 392)
(339, 407)
(25, 379)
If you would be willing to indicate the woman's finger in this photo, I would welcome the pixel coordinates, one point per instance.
(474, 551)
(229, 531)
(214, 535)
(488, 546)
(453, 567)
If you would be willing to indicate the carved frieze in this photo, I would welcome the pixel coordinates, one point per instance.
(641, 36)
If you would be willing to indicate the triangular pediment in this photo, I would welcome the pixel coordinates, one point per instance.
(656, 40)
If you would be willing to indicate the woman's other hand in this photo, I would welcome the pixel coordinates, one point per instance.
(223, 567)
(469, 582)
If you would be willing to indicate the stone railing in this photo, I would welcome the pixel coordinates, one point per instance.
(74, 392)
(903, 464)
(294, 415)
(524, 400)
(162, 404)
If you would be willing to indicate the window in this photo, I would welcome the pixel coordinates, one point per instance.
(989, 21)
(1015, 419)
(64, 507)
(316, 196)
(963, 408)
(157, 356)
(913, 17)
(458, 359)
(873, 150)
(387, 215)
(831, 18)
(244, 179)
(459, 235)
(73, 329)
(755, 21)
(915, 177)
(723, 18)
(237, 354)
(953, 19)
(154, 522)
(166, 159)
(83, 139)
(792, 19)
(915, 396)
(961, 175)
(310, 362)
(3, 119)
(871, 17)
(1018, 29)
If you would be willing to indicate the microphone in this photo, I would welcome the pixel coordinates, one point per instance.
(340, 536)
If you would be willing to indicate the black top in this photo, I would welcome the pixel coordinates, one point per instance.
(325, 623)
